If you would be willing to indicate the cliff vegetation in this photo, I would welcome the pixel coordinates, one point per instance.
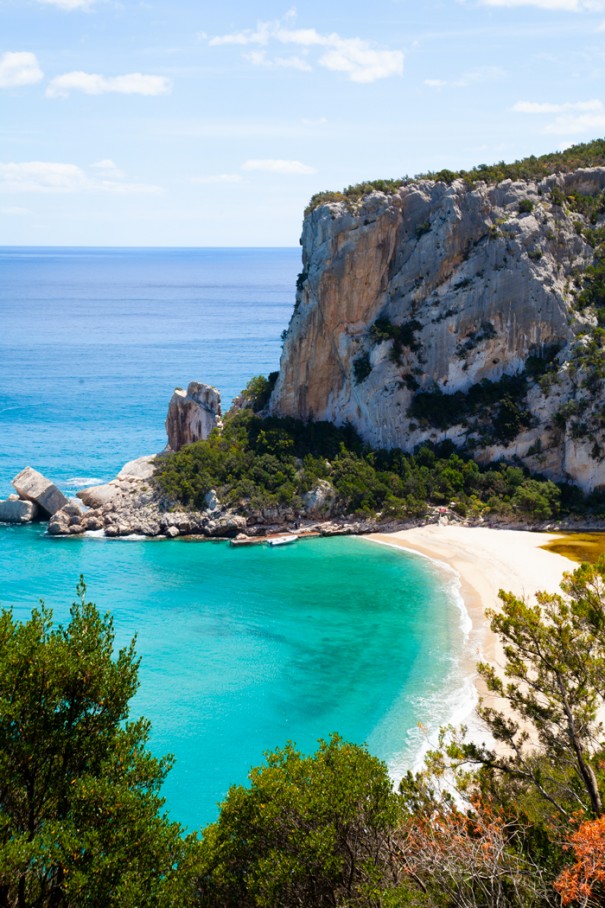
(589, 154)
(257, 464)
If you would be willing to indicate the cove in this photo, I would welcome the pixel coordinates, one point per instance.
(243, 650)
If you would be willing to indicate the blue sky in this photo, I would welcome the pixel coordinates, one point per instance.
(185, 123)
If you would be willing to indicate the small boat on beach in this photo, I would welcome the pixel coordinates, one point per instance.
(248, 540)
(282, 540)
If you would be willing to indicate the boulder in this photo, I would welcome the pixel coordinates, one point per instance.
(211, 501)
(319, 499)
(99, 496)
(142, 468)
(14, 510)
(192, 414)
(58, 524)
(228, 526)
(33, 486)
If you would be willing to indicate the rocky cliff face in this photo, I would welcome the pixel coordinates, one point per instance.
(451, 312)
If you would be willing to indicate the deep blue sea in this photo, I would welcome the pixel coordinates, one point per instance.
(241, 650)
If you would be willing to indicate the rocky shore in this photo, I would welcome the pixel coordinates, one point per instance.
(133, 504)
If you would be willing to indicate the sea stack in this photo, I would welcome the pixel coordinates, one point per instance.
(192, 414)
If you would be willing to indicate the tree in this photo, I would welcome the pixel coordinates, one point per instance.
(469, 860)
(79, 791)
(550, 739)
(309, 831)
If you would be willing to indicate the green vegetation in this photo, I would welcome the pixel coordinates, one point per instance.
(362, 367)
(80, 821)
(256, 464)
(308, 831)
(497, 409)
(257, 392)
(519, 825)
(403, 336)
(589, 154)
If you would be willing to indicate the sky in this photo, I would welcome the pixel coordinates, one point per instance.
(190, 123)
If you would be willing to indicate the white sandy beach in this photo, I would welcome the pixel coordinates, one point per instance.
(486, 561)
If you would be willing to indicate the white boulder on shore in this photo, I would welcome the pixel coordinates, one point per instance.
(34, 487)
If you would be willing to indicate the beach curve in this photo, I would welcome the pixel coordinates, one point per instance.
(486, 560)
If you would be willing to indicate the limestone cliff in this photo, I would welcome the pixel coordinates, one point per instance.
(448, 311)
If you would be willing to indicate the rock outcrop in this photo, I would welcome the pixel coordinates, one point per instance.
(192, 414)
(410, 302)
(15, 510)
(33, 486)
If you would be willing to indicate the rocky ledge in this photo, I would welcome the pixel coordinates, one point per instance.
(131, 505)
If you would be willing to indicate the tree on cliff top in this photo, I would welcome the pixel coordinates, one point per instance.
(79, 802)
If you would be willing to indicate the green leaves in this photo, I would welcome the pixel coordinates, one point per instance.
(553, 683)
(79, 791)
(308, 831)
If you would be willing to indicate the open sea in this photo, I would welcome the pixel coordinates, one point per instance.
(242, 650)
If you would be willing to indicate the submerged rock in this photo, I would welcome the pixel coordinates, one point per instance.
(192, 414)
(33, 486)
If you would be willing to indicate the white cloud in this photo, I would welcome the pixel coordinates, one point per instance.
(272, 165)
(108, 169)
(575, 117)
(95, 84)
(359, 59)
(14, 210)
(533, 107)
(259, 58)
(219, 178)
(572, 6)
(19, 69)
(69, 4)
(362, 64)
(51, 177)
(584, 123)
(479, 75)
(472, 77)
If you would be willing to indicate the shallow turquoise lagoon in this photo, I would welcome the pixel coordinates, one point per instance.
(243, 650)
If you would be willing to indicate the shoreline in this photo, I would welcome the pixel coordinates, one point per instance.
(485, 560)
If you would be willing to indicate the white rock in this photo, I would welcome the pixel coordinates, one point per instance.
(99, 496)
(142, 468)
(33, 486)
(14, 510)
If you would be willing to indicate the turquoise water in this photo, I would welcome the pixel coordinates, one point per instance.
(245, 649)
(242, 649)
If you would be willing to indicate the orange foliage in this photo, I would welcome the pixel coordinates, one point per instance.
(471, 858)
(580, 882)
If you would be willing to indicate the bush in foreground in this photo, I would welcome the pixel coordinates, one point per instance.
(80, 821)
